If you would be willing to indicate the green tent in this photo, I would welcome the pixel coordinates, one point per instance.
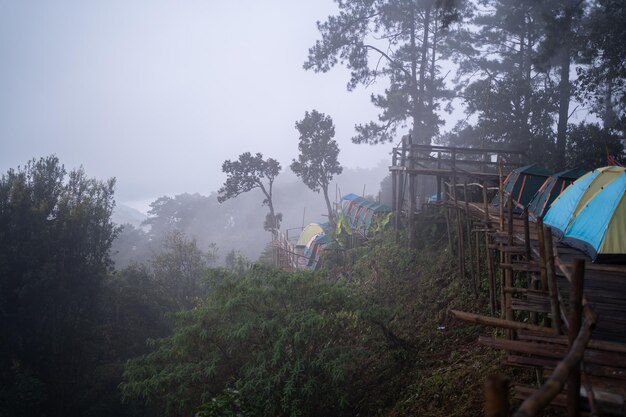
(522, 183)
(551, 189)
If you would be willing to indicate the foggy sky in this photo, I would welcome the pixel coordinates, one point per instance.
(158, 93)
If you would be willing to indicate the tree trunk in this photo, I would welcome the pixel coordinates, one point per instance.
(270, 205)
(329, 207)
(564, 89)
(417, 91)
(418, 119)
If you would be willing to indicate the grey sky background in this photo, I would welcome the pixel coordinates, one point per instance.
(158, 93)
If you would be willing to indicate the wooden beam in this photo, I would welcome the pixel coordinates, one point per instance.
(553, 386)
(574, 323)
(496, 322)
(521, 266)
(551, 274)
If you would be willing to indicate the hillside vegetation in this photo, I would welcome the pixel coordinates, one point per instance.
(369, 336)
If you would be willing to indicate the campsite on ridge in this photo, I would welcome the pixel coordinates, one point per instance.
(375, 208)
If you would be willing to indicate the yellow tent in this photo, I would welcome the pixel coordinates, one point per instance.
(311, 230)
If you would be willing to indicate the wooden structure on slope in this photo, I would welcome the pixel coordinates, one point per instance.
(412, 161)
(565, 317)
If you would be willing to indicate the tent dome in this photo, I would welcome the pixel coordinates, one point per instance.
(551, 189)
(591, 214)
(522, 183)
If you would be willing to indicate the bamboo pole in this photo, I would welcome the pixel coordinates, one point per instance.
(394, 183)
(501, 323)
(501, 212)
(447, 212)
(574, 323)
(551, 275)
(412, 197)
(500, 193)
(459, 229)
(551, 388)
(543, 275)
(469, 239)
(438, 199)
(496, 396)
(508, 272)
(527, 236)
(542, 254)
(477, 246)
(489, 253)
(401, 185)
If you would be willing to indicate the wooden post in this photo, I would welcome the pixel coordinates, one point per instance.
(508, 272)
(400, 194)
(543, 276)
(574, 323)
(447, 212)
(526, 237)
(501, 212)
(459, 229)
(394, 182)
(550, 272)
(501, 194)
(542, 255)
(469, 238)
(490, 272)
(411, 217)
(496, 396)
(438, 199)
(509, 200)
(477, 246)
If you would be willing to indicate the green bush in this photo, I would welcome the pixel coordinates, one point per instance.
(290, 344)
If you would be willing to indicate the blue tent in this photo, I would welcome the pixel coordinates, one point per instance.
(591, 214)
(600, 227)
(571, 201)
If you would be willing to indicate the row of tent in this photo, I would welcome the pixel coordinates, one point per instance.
(586, 210)
(313, 241)
(359, 212)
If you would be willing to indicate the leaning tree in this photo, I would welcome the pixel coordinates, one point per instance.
(246, 174)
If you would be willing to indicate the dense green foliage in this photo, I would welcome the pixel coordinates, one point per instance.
(588, 146)
(602, 80)
(368, 336)
(55, 233)
(289, 343)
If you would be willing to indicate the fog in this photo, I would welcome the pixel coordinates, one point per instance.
(159, 93)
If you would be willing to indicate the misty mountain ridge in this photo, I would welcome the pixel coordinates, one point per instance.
(123, 214)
